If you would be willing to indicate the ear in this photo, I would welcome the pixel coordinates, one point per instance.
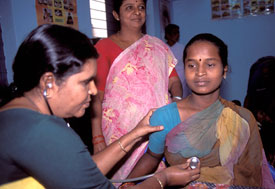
(225, 69)
(115, 15)
(48, 84)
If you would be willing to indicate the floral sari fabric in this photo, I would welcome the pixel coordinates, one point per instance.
(137, 81)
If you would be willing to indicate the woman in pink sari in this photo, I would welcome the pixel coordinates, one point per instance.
(135, 73)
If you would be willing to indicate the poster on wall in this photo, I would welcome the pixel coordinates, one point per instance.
(222, 9)
(226, 9)
(257, 7)
(61, 12)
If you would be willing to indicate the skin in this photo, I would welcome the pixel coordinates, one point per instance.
(75, 92)
(204, 72)
(132, 16)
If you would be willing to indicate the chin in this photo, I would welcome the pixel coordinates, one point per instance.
(80, 113)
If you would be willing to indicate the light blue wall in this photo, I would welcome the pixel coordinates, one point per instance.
(248, 39)
(18, 18)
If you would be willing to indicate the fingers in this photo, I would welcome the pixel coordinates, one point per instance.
(156, 128)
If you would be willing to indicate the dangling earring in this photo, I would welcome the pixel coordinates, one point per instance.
(49, 86)
(45, 93)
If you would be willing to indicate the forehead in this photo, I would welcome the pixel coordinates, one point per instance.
(202, 47)
(132, 1)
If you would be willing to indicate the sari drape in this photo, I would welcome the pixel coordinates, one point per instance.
(235, 158)
(137, 81)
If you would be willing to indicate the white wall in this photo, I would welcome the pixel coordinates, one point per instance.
(248, 39)
(18, 18)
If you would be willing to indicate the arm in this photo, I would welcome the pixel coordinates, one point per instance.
(175, 87)
(98, 139)
(106, 159)
(178, 175)
(147, 164)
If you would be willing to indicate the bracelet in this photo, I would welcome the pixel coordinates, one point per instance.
(122, 148)
(160, 183)
(126, 185)
(98, 136)
(98, 142)
(177, 97)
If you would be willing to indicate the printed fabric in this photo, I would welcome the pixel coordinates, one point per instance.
(137, 81)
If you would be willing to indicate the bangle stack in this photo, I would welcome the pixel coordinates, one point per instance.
(95, 141)
(160, 183)
(122, 148)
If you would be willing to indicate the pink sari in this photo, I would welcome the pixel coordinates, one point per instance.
(137, 81)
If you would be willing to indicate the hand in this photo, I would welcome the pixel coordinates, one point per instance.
(181, 174)
(144, 127)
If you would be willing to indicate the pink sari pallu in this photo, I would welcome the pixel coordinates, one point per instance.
(137, 81)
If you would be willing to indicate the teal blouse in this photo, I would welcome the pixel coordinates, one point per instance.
(42, 146)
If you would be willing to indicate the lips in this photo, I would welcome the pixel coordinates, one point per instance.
(201, 83)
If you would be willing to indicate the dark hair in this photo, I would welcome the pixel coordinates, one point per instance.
(170, 29)
(50, 48)
(223, 52)
(118, 3)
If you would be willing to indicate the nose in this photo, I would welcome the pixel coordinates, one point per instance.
(201, 71)
(137, 11)
(92, 89)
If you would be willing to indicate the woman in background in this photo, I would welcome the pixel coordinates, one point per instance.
(135, 73)
(223, 136)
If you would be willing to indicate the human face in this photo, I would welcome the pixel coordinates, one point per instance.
(204, 70)
(72, 97)
(132, 13)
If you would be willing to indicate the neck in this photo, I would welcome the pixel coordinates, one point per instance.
(202, 101)
(35, 101)
(171, 43)
(129, 35)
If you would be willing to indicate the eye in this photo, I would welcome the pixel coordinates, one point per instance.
(210, 65)
(141, 7)
(129, 7)
(191, 65)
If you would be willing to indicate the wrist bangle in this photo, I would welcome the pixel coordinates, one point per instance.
(177, 97)
(98, 136)
(98, 142)
(122, 148)
(126, 185)
(160, 183)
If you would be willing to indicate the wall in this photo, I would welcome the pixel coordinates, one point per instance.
(18, 18)
(248, 39)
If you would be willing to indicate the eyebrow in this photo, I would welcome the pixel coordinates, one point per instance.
(192, 59)
(89, 79)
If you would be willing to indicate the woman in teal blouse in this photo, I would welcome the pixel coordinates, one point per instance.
(54, 71)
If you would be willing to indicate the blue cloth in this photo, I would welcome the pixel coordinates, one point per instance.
(169, 117)
(42, 146)
(272, 171)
